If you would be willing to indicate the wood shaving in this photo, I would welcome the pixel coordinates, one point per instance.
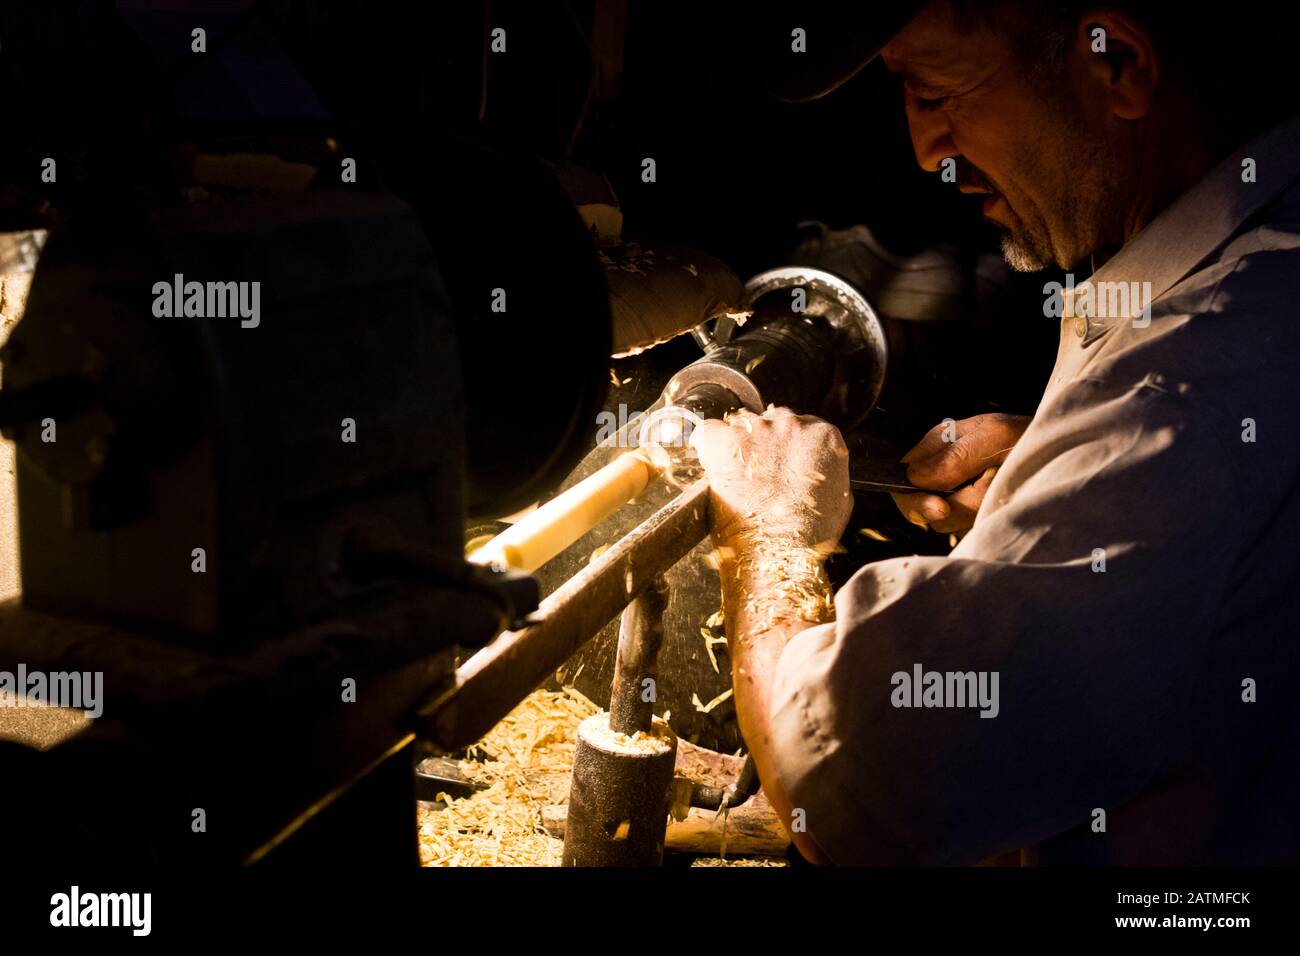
(597, 732)
(529, 760)
(714, 620)
(740, 861)
(705, 708)
(825, 549)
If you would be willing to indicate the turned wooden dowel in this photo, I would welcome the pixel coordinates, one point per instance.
(542, 534)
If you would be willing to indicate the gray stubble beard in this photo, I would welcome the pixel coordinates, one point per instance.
(1019, 257)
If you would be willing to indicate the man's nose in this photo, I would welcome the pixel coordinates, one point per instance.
(931, 135)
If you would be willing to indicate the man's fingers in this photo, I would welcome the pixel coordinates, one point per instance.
(943, 470)
(947, 515)
(959, 461)
(716, 444)
(981, 484)
(964, 504)
(930, 444)
(961, 519)
(921, 509)
(706, 434)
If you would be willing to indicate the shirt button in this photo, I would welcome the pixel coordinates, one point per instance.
(1080, 326)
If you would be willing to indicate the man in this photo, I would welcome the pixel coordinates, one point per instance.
(1105, 667)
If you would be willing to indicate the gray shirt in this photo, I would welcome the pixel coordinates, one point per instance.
(1130, 589)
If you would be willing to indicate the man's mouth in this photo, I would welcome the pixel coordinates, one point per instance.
(977, 188)
(990, 198)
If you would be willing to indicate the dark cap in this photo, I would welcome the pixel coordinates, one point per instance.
(838, 40)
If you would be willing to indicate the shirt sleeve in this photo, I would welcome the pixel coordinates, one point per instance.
(1088, 593)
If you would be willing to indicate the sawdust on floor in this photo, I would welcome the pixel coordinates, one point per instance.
(739, 861)
(527, 760)
(528, 757)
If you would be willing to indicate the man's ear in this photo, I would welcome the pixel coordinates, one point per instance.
(1119, 61)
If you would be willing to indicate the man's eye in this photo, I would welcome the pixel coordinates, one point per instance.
(930, 103)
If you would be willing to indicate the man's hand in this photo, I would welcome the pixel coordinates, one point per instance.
(775, 476)
(952, 454)
(779, 490)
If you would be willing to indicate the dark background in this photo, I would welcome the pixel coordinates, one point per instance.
(736, 168)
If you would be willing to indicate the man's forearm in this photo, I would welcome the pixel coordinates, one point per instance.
(769, 596)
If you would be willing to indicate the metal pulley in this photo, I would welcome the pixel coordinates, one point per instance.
(813, 343)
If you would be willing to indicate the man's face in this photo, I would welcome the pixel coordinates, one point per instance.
(1046, 169)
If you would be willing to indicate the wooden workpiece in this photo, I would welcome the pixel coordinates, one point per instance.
(488, 685)
(542, 534)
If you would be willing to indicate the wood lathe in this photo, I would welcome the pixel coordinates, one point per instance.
(810, 333)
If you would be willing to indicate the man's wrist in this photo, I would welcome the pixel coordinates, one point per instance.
(770, 581)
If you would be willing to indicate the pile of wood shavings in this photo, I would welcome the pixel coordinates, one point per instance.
(529, 755)
(598, 732)
(739, 861)
(529, 759)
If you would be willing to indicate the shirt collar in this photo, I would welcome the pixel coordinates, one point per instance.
(1186, 232)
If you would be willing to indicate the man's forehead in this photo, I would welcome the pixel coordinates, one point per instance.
(931, 47)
